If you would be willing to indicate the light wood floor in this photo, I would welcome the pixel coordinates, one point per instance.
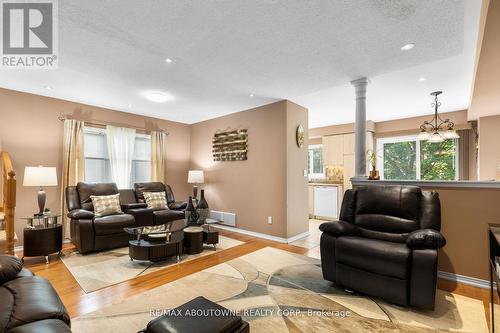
(78, 302)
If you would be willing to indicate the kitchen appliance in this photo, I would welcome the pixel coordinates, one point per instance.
(326, 202)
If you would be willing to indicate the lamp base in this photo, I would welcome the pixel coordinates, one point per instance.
(41, 200)
(195, 192)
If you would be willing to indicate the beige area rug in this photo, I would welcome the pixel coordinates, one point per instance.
(278, 291)
(102, 269)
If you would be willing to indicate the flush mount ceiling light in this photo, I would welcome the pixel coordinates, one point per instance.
(157, 96)
(437, 130)
(251, 95)
(407, 47)
(422, 79)
(48, 87)
(168, 60)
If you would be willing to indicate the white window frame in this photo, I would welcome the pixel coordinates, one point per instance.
(102, 131)
(405, 138)
(310, 157)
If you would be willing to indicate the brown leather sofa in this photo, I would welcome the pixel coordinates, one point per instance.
(29, 303)
(90, 233)
(385, 244)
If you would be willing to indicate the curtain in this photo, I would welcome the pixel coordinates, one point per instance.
(73, 170)
(158, 156)
(121, 143)
(466, 154)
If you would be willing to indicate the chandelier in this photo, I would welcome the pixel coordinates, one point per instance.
(437, 130)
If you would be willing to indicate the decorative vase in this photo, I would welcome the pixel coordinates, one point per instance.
(190, 213)
(374, 175)
(202, 209)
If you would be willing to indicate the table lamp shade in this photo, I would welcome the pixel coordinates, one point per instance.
(40, 176)
(196, 177)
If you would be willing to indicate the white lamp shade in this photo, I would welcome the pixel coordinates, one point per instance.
(450, 134)
(196, 177)
(436, 138)
(424, 135)
(40, 176)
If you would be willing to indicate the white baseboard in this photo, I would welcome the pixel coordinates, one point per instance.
(263, 236)
(471, 281)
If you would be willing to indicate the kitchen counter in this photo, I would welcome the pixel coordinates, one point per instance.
(325, 183)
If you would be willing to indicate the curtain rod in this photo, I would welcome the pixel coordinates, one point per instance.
(63, 117)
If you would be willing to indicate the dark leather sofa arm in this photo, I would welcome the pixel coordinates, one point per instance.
(134, 205)
(81, 214)
(340, 228)
(178, 205)
(425, 239)
(10, 267)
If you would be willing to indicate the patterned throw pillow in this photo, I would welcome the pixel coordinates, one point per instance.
(106, 204)
(156, 200)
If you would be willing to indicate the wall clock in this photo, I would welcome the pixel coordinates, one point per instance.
(300, 136)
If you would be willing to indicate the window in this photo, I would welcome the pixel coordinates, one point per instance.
(97, 165)
(406, 158)
(315, 162)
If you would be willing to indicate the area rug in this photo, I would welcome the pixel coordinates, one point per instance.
(102, 269)
(278, 291)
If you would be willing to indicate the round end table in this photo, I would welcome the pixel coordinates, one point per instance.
(193, 240)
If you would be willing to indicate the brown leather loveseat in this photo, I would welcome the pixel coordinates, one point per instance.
(28, 303)
(90, 233)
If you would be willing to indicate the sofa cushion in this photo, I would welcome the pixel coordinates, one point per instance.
(393, 209)
(85, 190)
(373, 255)
(105, 205)
(165, 216)
(140, 188)
(113, 224)
(43, 326)
(33, 299)
(10, 267)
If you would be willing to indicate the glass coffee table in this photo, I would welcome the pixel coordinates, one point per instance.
(156, 243)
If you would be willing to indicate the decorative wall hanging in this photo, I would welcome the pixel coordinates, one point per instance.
(230, 146)
(299, 135)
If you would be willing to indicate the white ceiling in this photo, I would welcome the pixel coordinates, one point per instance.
(111, 52)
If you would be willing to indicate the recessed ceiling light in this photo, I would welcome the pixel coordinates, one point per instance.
(157, 96)
(48, 87)
(252, 95)
(168, 60)
(407, 47)
(422, 79)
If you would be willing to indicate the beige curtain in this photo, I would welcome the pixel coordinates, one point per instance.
(73, 163)
(158, 156)
(467, 158)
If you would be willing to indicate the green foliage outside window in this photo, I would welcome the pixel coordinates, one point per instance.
(400, 160)
(437, 160)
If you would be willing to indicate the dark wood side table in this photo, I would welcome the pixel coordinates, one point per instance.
(193, 240)
(42, 238)
(494, 264)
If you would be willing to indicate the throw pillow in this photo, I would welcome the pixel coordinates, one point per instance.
(156, 200)
(106, 204)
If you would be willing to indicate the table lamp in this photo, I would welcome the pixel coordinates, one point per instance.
(196, 177)
(40, 176)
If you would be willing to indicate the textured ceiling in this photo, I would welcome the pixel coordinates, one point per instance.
(111, 51)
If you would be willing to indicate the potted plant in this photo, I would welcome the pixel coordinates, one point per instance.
(372, 158)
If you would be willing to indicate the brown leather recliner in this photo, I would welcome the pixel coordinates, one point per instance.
(385, 244)
(29, 303)
(90, 233)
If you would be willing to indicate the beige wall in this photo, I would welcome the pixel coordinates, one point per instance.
(32, 134)
(486, 91)
(297, 195)
(465, 216)
(256, 188)
(489, 148)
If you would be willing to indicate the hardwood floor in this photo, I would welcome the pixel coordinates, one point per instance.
(78, 302)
